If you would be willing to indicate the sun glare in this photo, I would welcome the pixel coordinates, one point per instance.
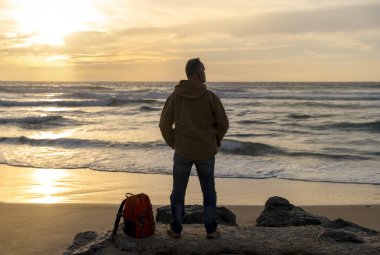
(49, 20)
(47, 186)
(53, 135)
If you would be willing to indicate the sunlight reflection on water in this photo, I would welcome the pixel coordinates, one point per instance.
(47, 188)
(53, 134)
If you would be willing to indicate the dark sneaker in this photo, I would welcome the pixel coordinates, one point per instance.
(172, 234)
(214, 235)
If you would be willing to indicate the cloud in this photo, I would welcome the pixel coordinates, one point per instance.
(337, 19)
(150, 13)
(347, 18)
(290, 40)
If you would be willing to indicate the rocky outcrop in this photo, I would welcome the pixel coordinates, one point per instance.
(339, 236)
(292, 231)
(296, 240)
(279, 212)
(82, 239)
(194, 215)
(346, 225)
(88, 243)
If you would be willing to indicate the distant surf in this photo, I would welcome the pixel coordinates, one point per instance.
(77, 103)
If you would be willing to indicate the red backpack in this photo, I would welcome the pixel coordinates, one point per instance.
(138, 216)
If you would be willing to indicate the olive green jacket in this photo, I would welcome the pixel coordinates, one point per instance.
(199, 119)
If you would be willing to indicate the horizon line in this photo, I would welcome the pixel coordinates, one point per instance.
(131, 81)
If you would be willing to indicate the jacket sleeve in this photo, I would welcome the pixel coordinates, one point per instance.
(221, 120)
(167, 120)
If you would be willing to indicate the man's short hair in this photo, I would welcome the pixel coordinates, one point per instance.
(192, 66)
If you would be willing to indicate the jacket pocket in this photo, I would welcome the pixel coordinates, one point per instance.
(216, 141)
(177, 140)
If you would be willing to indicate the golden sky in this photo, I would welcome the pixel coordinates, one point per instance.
(150, 40)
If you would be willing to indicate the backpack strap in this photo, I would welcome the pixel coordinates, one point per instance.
(117, 221)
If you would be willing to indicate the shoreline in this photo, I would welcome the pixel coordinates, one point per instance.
(216, 177)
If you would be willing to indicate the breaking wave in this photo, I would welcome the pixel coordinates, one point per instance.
(373, 126)
(248, 148)
(35, 122)
(74, 143)
(261, 149)
(81, 103)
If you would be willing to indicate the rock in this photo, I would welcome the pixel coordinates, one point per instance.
(279, 212)
(339, 236)
(342, 224)
(242, 240)
(127, 244)
(88, 243)
(194, 215)
(82, 239)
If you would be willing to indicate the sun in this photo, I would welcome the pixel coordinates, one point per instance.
(48, 21)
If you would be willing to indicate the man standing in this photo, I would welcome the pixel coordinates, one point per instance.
(200, 124)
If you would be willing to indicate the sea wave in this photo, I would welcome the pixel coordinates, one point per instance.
(75, 143)
(149, 109)
(322, 97)
(261, 149)
(331, 104)
(121, 94)
(248, 148)
(36, 122)
(228, 146)
(31, 120)
(260, 122)
(372, 126)
(85, 95)
(31, 87)
(299, 116)
(81, 103)
(253, 135)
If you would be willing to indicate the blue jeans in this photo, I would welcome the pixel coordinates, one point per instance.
(181, 173)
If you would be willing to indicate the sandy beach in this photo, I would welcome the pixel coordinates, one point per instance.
(37, 185)
(50, 228)
(43, 209)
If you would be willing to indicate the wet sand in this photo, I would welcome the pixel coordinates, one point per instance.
(34, 185)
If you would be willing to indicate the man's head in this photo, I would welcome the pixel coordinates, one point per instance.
(195, 70)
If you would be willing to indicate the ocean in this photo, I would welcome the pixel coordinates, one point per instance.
(327, 132)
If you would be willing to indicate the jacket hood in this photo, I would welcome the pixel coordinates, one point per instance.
(190, 89)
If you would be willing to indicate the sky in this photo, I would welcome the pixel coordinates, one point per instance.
(150, 40)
